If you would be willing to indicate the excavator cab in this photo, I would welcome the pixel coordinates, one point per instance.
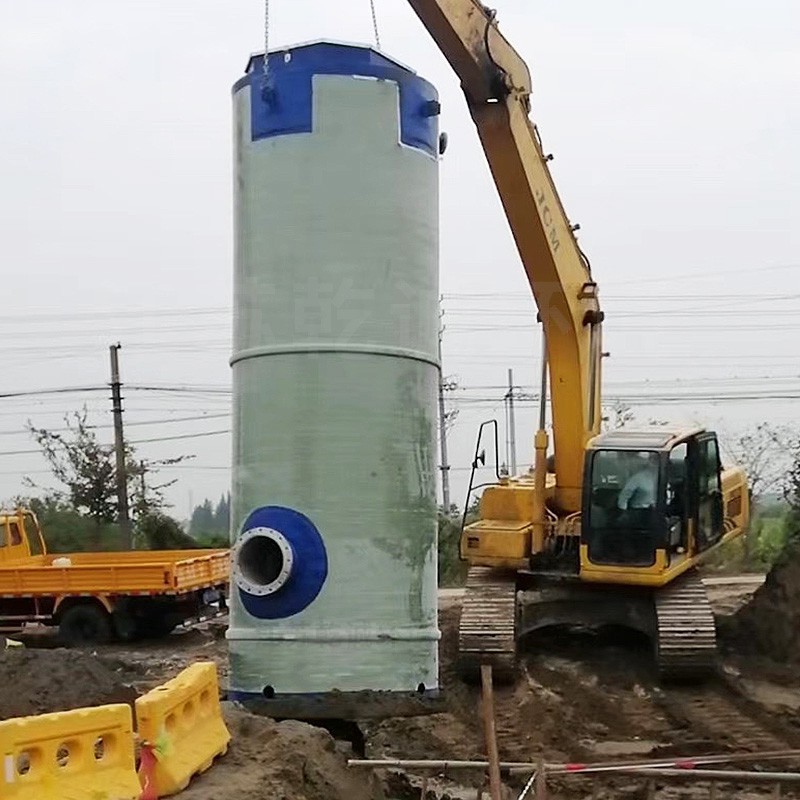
(651, 499)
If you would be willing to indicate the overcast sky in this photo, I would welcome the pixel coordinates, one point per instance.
(674, 128)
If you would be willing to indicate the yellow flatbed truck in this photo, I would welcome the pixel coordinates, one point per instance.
(96, 597)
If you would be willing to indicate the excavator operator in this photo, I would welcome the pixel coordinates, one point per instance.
(640, 489)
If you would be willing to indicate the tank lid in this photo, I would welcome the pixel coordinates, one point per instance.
(281, 103)
(257, 59)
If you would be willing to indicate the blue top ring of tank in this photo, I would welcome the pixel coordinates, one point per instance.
(283, 104)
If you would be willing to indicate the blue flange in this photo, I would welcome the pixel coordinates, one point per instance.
(309, 564)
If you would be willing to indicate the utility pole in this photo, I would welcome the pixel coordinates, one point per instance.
(123, 516)
(512, 433)
(142, 486)
(445, 466)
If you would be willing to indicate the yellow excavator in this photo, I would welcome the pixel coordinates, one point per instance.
(609, 529)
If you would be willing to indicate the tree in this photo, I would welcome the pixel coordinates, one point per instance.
(66, 530)
(146, 495)
(765, 454)
(87, 470)
(791, 491)
(451, 569)
(202, 521)
(617, 416)
(84, 466)
(222, 514)
(210, 524)
(162, 532)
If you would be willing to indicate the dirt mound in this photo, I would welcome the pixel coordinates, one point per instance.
(573, 693)
(41, 681)
(770, 623)
(288, 760)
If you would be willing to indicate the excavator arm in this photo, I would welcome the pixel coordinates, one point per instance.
(497, 85)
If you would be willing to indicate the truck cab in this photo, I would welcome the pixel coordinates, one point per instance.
(20, 535)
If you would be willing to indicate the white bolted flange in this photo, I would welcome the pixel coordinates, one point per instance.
(246, 572)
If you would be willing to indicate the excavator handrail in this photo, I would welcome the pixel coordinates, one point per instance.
(476, 459)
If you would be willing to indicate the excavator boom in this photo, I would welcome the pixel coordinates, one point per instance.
(497, 85)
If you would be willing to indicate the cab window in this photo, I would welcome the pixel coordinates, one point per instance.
(709, 493)
(709, 468)
(677, 500)
(15, 535)
(625, 480)
(625, 520)
(34, 542)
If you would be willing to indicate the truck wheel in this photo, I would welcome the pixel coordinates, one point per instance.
(85, 624)
(126, 626)
(157, 627)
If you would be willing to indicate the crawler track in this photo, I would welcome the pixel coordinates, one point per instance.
(716, 713)
(686, 635)
(486, 631)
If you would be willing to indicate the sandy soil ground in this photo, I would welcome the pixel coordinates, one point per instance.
(580, 697)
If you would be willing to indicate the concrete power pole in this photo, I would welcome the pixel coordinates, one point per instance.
(512, 432)
(445, 466)
(123, 515)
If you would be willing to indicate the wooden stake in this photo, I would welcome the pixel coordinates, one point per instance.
(490, 733)
(541, 781)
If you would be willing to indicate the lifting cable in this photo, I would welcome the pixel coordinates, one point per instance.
(374, 24)
(375, 32)
(266, 41)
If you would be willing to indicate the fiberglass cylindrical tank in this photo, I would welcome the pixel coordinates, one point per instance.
(335, 374)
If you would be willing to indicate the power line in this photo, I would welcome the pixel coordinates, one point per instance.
(47, 316)
(161, 346)
(652, 361)
(137, 441)
(93, 332)
(189, 389)
(62, 390)
(527, 296)
(194, 418)
(654, 399)
(181, 436)
(709, 274)
(186, 388)
(195, 467)
(684, 276)
(644, 384)
(707, 311)
(174, 311)
(726, 330)
(169, 420)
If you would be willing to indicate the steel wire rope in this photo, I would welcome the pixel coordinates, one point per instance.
(375, 24)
